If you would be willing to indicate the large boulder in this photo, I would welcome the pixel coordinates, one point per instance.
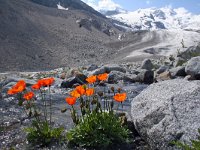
(167, 111)
(147, 64)
(193, 67)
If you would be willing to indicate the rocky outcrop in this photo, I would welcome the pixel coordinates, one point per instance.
(167, 111)
(193, 67)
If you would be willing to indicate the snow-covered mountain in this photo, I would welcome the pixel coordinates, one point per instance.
(155, 18)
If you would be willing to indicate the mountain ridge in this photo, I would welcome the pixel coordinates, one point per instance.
(156, 18)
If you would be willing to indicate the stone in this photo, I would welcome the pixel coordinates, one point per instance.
(167, 111)
(179, 61)
(189, 77)
(78, 79)
(192, 51)
(115, 77)
(145, 76)
(162, 69)
(164, 76)
(63, 76)
(147, 64)
(92, 67)
(193, 67)
(108, 69)
(178, 71)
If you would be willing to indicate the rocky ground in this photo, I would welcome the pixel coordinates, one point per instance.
(13, 119)
(179, 70)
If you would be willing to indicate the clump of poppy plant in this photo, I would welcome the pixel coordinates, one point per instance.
(95, 126)
(41, 132)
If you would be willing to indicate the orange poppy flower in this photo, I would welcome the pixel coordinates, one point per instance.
(89, 92)
(91, 79)
(80, 89)
(71, 100)
(20, 83)
(46, 81)
(74, 93)
(36, 86)
(18, 87)
(28, 96)
(102, 77)
(12, 91)
(120, 97)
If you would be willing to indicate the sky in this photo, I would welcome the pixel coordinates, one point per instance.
(192, 6)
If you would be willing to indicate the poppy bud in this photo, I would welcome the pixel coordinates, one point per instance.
(100, 94)
(119, 90)
(112, 88)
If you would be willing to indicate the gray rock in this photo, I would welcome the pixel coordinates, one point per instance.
(116, 76)
(167, 111)
(162, 69)
(179, 61)
(78, 79)
(178, 71)
(108, 69)
(29, 82)
(145, 76)
(164, 76)
(92, 67)
(190, 52)
(189, 77)
(193, 67)
(147, 64)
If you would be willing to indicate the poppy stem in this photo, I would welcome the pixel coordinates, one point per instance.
(122, 106)
(50, 105)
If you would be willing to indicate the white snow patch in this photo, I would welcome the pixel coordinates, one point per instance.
(61, 7)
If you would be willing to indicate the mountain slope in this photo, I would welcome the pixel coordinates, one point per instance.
(157, 18)
(36, 37)
(72, 4)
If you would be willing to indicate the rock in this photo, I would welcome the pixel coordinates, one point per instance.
(179, 61)
(162, 69)
(145, 76)
(108, 69)
(29, 82)
(78, 79)
(63, 76)
(116, 76)
(178, 71)
(192, 51)
(164, 76)
(147, 64)
(167, 111)
(92, 67)
(193, 67)
(189, 77)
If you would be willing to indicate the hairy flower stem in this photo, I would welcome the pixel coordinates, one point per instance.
(122, 106)
(45, 106)
(50, 106)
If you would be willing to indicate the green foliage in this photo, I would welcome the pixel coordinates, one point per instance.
(40, 133)
(195, 144)
(98, 130)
